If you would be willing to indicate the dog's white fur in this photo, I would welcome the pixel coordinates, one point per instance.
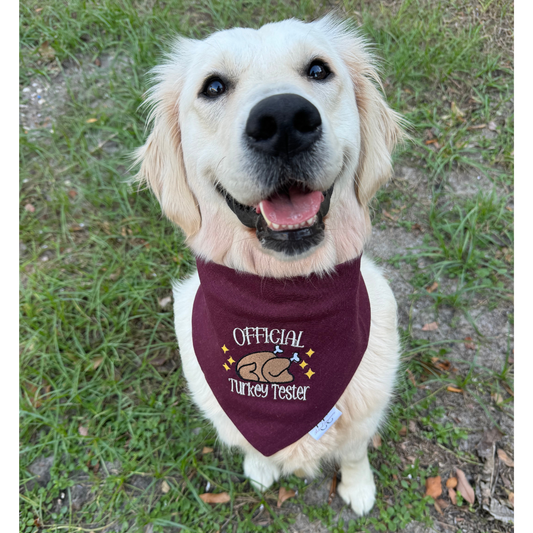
(195, 145)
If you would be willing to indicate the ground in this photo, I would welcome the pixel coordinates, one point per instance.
(109, 438)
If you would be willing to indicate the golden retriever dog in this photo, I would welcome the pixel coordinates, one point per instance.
(266, 147)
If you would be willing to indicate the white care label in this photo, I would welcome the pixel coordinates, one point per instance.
(325, 423)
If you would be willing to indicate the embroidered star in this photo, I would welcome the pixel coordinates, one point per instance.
(310, 373)
(231, 360)
(310, 353)
(225, 349)
(303, 364)
(225, 366)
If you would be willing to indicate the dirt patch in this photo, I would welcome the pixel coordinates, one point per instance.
(483, 342)
(43, 100)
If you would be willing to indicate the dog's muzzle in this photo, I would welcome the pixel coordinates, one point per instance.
(283, 135)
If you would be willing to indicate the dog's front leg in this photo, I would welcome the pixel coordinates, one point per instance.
(260, 470)
(357, 487)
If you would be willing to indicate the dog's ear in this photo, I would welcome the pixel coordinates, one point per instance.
(161, 158)
(381, 130)
(381, 127)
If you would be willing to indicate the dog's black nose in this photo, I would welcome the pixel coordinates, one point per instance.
(283, 124)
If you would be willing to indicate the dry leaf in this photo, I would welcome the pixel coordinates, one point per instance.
(485, 448)
(399, 210)
(83, 431)
(443, 365)
(403, 431)
(432, 287)
(434, 487)
(333, 488)
(165, 487)
(72, 193)
(221, 497)
(452, 495)
(376, 440)
(97, 62)
(505, 458)
(451, 483)
(442, 503)
(411, 377)
(284, 494)
(75, 227)
(97, 361)
(453, 389)
(432, 326)
(32, 389)
(165, 301)
(513, 499)
(492, 126)
(437, 507)
(464, 487)
(206, 449)
(456, 110)
(418, 227)
(469, 345)
(47, 52)
(508, 389)
(501, 512)
(412, 426)
(30, 208)
(498, 398)
(106, 227)
(91, 120)
(389, 216)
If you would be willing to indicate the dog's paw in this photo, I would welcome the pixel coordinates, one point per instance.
(359, 492)
(260, 471)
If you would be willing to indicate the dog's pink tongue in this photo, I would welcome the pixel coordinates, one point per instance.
(295, 208)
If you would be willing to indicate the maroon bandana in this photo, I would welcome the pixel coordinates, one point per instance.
(279, 353)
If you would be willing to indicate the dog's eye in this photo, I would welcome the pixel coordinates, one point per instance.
(214, 87)
(318, 70)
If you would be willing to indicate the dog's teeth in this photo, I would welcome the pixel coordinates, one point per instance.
(310, 221)
(284, 226)
(290, 226)
(269, 223)
(275, 226)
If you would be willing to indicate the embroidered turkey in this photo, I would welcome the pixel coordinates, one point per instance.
(265, 367)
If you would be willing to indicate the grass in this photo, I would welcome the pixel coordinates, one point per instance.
(101, 387)
(470, 252)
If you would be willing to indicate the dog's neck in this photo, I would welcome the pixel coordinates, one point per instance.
(347, 230)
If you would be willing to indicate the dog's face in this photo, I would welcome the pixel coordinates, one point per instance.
(268, 144)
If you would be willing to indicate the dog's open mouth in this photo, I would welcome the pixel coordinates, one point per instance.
(290, 221)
